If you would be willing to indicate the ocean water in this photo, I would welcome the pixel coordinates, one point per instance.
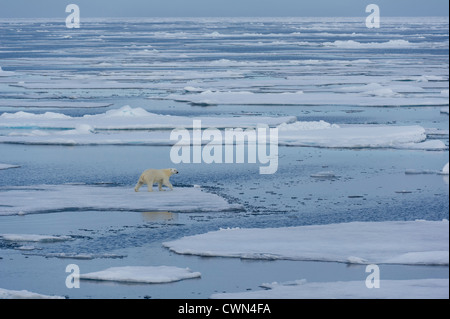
(350, 75)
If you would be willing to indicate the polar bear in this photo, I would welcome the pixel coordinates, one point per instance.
(152, 176)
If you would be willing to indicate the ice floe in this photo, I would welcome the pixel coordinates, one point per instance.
(359, 136)
(445, 110)
(51, 104)
(84, 84)
(142, 274)
(24, 294)
(402, 242)
(445, 169)
(5, 73)
(7, 166)
(325, 175)
(351, 44)
(128, 118)
(33, 238)
(384, 97)
(56, 198)
(243, 97)
(79, 256)
(301, 134)
(388, 89)
(389, 289)
(89, 130)
(306, 125)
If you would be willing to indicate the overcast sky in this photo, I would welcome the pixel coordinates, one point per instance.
(220, 8)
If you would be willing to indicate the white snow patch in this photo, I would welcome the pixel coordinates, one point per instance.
(150, 275)
(389, 289)
(410, 242)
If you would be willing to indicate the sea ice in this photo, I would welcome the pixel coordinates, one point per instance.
(310, 134)
(150, 275)
(351, 44)
(305, 126)
(359, 136)
(51, 104)
(382, 98)
(7, 166)
(324, 175)
(5, 73)
(56, 198)
(402, 242)
(33, 238)
(389, 289)
(445, 170)
(128, 118)
(24, 294)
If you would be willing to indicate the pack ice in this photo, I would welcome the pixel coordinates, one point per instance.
(126, 126)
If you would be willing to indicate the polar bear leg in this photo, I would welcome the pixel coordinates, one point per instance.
(150, 185)
(168, 184)
(138, 185)
(160, 183)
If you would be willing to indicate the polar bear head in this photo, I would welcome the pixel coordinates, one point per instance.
(173, 171)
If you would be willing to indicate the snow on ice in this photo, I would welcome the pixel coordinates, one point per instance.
(7, 166)
(358, 136)
(445, 169)
(128, 118)
(381, 97)
(142, 274)
(125, 126)
(56, 198)
(5, 73)
(51, 104)
(389, 289)
(24, 294)
(33, 238)
(409, 242)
